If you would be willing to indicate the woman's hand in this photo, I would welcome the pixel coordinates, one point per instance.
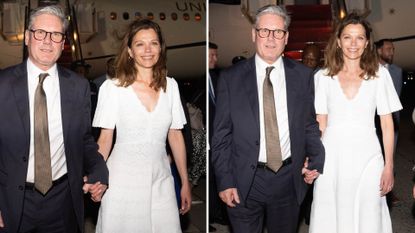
(386, 181)
(186, 197)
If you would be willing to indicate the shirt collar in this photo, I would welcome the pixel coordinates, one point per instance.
(262, 65)
(34, 71)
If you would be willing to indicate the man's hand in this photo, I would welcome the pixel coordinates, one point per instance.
(1, 221)
(230, 196)
(309, 175)
(96, 190)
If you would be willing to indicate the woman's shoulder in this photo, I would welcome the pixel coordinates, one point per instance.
(321, 76)
(382, 72)
(171, 83)
(323, 73)
(111, 83)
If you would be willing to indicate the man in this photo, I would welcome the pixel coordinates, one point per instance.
(45, 143)
(311, 56)
(386, 51)
(259, 145)
(217, 214)
(110, 73)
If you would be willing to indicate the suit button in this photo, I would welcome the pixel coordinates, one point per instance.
(21, 188)
(24, 159)
(257, 143)
(252, 166)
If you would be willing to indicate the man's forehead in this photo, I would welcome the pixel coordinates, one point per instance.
(268, 17)
(47, 20)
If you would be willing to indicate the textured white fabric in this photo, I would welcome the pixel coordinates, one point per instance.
(140, 196)
(347, 196)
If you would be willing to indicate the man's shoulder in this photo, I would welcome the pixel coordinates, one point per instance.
(395, 68)
(293, 64)
(13, 71)
(240, 67)
(67, 73)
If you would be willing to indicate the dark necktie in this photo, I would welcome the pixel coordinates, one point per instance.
(272, 139)
(43, 170)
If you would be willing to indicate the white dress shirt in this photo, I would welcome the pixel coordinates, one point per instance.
(52, 90)
(277, 78)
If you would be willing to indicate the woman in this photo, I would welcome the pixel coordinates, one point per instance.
(350, 196)
(144, 105)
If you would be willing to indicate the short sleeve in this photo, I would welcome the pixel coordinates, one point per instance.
(387, 100)
(106, 114)
(320, 87)
(178, 117)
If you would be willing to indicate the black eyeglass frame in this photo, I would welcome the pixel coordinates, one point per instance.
(36, 31)
(268, 32)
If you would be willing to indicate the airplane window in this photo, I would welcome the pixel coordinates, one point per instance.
(150, 16)
(198, 17)
(125, 16)
(138, 15)
(162, 16)
(186, 16)
(113, 16)
(174, 16)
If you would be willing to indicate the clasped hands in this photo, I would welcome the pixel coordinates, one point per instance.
(96, 190)
(309, 175)
(231, 198)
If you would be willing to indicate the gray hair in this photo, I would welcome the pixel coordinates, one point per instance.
(274, 10)
(51, 10)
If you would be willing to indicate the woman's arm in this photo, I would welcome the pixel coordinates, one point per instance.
(105, 142)
(322, 122)
(387, 179)
(176, 142)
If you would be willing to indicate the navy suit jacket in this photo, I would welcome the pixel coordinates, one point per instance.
(236, 133)
(396, 74)
(82, 157)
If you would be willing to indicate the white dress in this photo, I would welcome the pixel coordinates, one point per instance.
(140, 195)
(347, 195)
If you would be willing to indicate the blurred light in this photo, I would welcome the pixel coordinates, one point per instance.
(150, 16)
(162, 16)
(186, 16)
(113, 16)
(342, 14)
(198, 17)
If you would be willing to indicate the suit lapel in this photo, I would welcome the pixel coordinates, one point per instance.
(68, 95)
(249, 80)
(21, 94)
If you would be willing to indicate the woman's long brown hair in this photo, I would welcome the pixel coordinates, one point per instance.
(125, 68)
(334, 62)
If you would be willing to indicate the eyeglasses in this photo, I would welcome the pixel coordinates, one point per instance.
(265, 32)
(40, 34)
